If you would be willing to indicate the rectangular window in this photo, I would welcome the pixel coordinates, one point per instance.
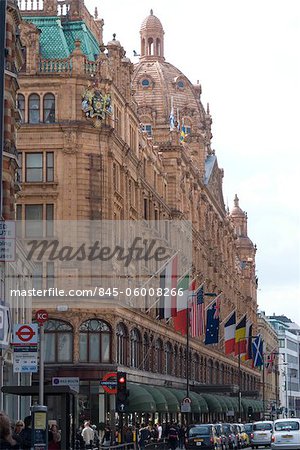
(50, 274)
(38, 275)
(82, 347)
(19, 179)
(34, 220)
(50, 347)
(145, 209)
(148, 129)
(64, 341)
(105, 347)
(34, 167)
(49, 219)
(49, 166)
(115, 176)
(144, 166)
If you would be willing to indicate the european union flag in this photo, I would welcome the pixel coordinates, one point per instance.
(212, 324)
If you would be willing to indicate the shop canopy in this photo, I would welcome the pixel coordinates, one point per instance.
(213, 403)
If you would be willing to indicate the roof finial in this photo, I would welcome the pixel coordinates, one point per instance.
(207, 109)
(236, 200)
(114, 36)
(96, 12)
(151, 12)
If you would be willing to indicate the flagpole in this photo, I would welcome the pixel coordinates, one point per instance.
(240, 379)
(187, 357)
(215, 298)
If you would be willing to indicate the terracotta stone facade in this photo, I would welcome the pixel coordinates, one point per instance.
(133, 167)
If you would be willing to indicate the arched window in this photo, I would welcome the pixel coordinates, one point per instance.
(21, 106)
(34, 108)
(121, 344)
(217, 373)
(49, 108)
(147, 352)
(58, 341)
(135, 348)
(196, 367)
(169, 358)
(159, 355)
(158, 47)
(94, 341)
(222, 374)
(176, 362)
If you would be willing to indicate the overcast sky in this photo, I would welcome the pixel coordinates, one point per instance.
(245, 53)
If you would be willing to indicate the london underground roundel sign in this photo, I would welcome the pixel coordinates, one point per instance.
(109, 382)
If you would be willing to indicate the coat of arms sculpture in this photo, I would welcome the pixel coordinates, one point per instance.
(96, 106)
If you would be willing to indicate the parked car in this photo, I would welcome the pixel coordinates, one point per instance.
(232, 438)
(261, 434)
(202, 437)
(248, 429)
(286, 434)
(223, 440)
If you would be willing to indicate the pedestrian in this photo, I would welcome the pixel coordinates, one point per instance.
(129, 437)
(144, 436)
(6, 439)
(17, 430)
(159, 431)
(106, 440)
(181, 436)
(88, 435)
(26, 434)
(173, 436)
(96, 436)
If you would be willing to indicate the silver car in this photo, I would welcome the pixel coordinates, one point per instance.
(261, 434)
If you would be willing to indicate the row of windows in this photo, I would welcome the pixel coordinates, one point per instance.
(95, 337)
(33, 109)
(36, 167)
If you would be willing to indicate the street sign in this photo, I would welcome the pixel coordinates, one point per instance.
(109, 382)
(25, 361)
(41, 316)
(73, 382)
(7, 241)
(5, 325)
(186, 404)
(25, 335)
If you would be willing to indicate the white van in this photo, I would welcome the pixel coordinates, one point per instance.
(261, 433)
(286, 434)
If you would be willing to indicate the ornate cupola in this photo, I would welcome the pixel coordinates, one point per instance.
(152, 39)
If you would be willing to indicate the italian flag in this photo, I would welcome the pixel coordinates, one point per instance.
(185, 292)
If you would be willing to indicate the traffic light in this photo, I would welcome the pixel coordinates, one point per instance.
(250, 411)
(122, 393)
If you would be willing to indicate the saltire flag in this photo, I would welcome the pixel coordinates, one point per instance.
(197, 313)
(229, 334)
(248, 352)
(187, 289)
(213, 323)
(240, 337)
(168, 285)
(257, 352)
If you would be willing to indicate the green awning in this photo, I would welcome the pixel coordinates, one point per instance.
(258, 405)
(172, 402)
(203, 404)
(213, 403)
(159, 398)
(229, 403)
(222, 403)
(139, 399)
(235, 403)
(180, 395)
(246, 403)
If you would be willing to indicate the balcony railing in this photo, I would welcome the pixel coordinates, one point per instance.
(31, 5)
(55, 65)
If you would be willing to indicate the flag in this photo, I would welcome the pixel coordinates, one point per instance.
(270, 362)
(213, 323)
(257, 352)
(197, 313)
(187, 289)
(229, 334)
(183, 132)
(172, 117)
(240, 337)
(247, 355)
(168, 284)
